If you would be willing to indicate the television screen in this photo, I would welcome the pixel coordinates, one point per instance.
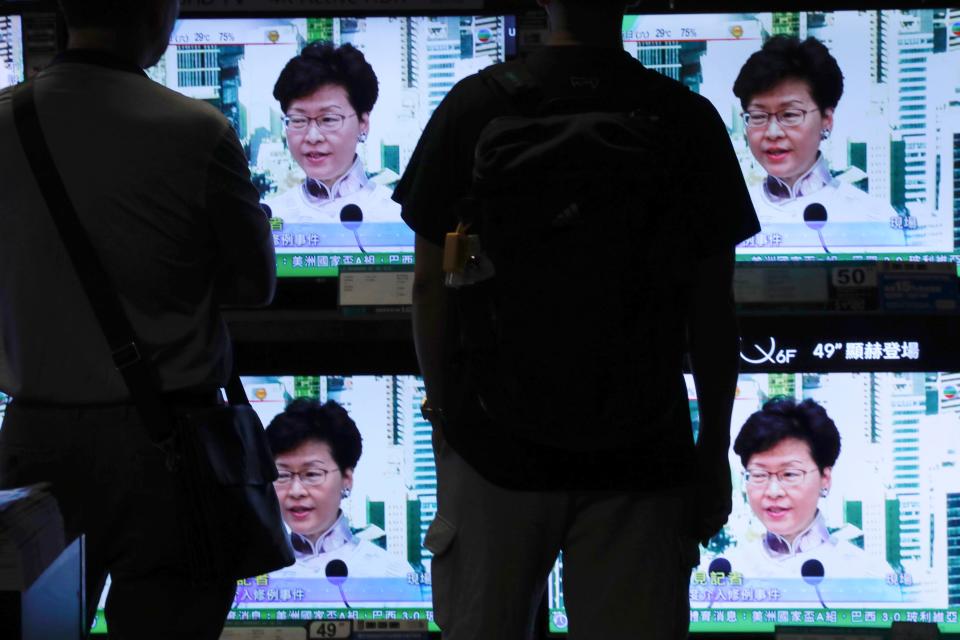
(11, 51)
(884, 546)
(883, 183)
(393, 501)
(4, 400)
(234, 64)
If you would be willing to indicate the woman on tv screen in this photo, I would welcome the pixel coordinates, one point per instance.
(788, 451)
(789, 91)
(326, 94)
(316, 448)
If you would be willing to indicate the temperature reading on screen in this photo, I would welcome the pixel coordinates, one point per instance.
(825, 351)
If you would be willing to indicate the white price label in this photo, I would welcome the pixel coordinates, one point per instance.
(853, 277)
(324, 629)
(361, 288)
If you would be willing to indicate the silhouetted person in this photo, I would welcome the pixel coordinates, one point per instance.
(161, 185)
(627, 519)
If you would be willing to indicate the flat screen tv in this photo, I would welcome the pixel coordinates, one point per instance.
(11, 50)
(892, 545)
(393, 501)
(234, 64)
(889, 187)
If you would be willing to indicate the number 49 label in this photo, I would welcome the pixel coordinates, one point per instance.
(329, 629)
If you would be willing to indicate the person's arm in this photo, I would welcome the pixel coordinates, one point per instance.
(429, 313)
(438, 176)
(713, 342)
(246, 266)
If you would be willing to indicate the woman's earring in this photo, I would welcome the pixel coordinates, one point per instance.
(362, 137)
(345, 493)
(824, 133)
(824, 492)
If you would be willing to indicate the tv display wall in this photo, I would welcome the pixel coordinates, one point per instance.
(892, 510)
(234, 64)
(893, 154)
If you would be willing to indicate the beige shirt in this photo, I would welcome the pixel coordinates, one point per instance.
(161, 185)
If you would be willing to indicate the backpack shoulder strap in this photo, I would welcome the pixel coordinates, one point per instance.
(515, 85)
(656, 93)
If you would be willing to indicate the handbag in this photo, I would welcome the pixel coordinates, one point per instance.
(228, 510)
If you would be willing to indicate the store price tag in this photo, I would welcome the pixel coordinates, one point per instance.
(782, 286)
(390, 630)
(853, 277)
(326, 629)
(376, 287)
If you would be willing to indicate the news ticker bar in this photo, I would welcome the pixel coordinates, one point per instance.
(812, 624)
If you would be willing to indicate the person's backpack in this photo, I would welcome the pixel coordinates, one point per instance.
(569, 313)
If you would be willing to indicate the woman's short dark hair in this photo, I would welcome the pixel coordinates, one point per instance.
(782, 418)
(321, 63)
(305, 420)
(788, 58)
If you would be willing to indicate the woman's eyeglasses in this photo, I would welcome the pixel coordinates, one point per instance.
(787, 117)
(787, 477)
(309, 478)
(327, 123)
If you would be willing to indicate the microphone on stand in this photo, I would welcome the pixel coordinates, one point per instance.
(813, 572)
(351, 216)
(718, 565)
(815, 217)
(336, 571)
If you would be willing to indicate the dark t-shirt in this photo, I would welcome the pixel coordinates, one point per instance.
(718, 213)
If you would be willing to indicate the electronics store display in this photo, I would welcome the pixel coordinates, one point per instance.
(895, 491)
(888, 191)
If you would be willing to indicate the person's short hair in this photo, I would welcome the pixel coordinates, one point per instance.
(788, 58)
(101, 13)
(782, 418)
(320, 63)
(305, 420)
